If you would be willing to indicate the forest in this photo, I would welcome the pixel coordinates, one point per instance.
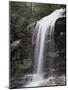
(23, 19)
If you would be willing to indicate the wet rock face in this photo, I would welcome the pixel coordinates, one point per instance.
(60, 36)
(57, 81)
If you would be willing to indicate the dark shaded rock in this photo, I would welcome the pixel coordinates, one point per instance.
(60, 35)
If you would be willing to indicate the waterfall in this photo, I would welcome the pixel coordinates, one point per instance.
(44, 44)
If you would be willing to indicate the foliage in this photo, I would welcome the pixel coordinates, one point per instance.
(24, 13)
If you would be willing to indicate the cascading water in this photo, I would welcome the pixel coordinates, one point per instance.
(44, 42)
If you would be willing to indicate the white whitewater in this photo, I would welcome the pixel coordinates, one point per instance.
(45, 35)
